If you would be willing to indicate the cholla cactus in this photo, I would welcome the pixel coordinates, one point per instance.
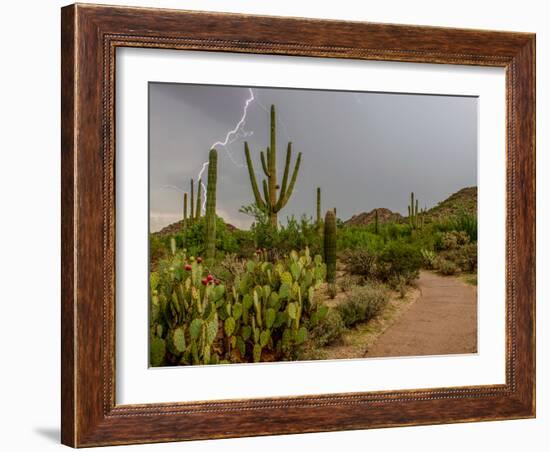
(270, 204)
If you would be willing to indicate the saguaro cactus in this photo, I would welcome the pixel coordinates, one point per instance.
(330, 246)
(184, 225)
(270, 204)
(191, 213)
(318, 207)
(211, 204)
(376, 221)
(199, 200)
(413, 212)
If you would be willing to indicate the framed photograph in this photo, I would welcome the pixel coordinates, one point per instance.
(281, 225)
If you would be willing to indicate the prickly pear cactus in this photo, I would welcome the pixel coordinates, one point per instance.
(196, 319)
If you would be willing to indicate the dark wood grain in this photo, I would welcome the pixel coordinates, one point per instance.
(90, 36)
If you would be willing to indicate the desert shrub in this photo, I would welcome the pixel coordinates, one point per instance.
(466, 223)
(360, 262)
(363, 304)
(469, 257)
(428, 258)
(355, 237)
(228, 241)
(464, 257)
(329, 330)
(395, 231)
(229, 268)
(349, 282)
(398, 260)
(454, 239)
(279, 241)
(447, 267)
(332, 290)
(157, 248)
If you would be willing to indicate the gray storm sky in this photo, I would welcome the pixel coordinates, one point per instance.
(365, 150)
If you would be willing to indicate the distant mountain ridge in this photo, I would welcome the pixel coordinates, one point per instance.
(366, 218)
(464, 200)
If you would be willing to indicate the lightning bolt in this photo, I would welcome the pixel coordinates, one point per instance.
(230, 137)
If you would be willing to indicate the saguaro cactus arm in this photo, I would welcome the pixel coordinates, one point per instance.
(257, 197)
(266, 194)
(264, 164)
(285, 194)
(287, 166)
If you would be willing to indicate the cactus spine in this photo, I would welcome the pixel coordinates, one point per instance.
(199, 200)
(270, 204)
(211, 204)
(330, 246)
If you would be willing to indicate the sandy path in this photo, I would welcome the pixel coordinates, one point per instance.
(442, 321)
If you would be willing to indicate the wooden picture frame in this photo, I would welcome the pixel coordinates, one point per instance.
(90, 36)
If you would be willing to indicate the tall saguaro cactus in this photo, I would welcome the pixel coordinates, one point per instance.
(318, 205)
(270, 204)
(199, 200)
(184, 225)
(211, 204)
(413, 212)
(330, 246)
(191, 213)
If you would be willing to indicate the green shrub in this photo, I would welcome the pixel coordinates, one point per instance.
(428, 258)
(354, 237)
(363, 304)
(329, 330)
(281, 240)
(467, 223)
(399, 260)
(228, 239)
(157, 248)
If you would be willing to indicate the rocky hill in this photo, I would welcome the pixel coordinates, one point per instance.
(364, 219)
(464, 200)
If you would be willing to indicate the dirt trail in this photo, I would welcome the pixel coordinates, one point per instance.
(442, 321)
